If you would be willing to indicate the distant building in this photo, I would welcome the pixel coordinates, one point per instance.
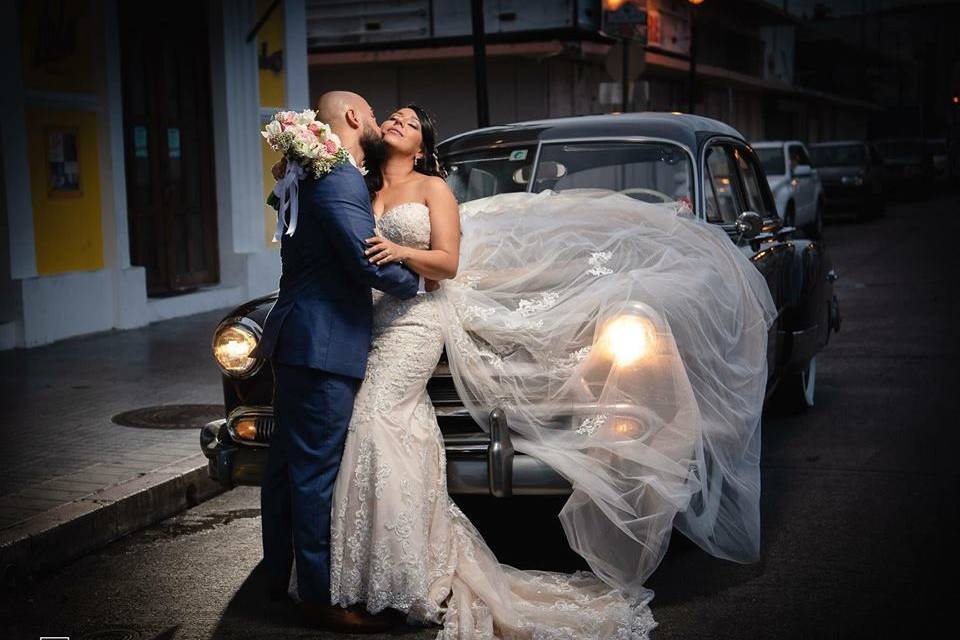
(903, 55)
(550, 58)
(133, 175)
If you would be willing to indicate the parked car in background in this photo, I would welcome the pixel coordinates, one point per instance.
(704, 166)
(852, 174)
(794, 182)
(908, 164)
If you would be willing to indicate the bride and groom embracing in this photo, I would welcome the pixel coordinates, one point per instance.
(355, 511)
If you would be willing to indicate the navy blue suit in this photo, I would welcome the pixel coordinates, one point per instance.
(317, 336)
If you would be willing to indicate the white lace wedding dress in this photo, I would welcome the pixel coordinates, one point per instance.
(398, 540)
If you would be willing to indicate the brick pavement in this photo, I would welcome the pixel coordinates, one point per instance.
(59, 444)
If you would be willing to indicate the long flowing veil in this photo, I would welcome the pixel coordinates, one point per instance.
(627, 346)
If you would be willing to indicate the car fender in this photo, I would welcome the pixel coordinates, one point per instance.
(807, 291)
(783, 196)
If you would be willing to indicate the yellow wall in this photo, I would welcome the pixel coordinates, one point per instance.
(272, 96)
(271, 82)
(269, 214)
(67, 230)
(49, 61)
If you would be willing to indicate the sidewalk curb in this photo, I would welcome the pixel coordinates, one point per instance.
(68, 531)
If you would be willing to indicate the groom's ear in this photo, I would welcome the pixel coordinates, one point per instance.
(353, 119)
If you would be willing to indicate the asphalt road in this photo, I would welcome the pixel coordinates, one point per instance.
(860, 496)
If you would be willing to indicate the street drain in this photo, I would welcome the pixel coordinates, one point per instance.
(170, 416)
(113, 633)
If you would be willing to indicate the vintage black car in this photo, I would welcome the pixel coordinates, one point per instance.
(703, 165)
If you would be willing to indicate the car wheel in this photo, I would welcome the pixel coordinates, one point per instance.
(796, 391)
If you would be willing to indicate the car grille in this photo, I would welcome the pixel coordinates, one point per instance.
(442, 391)
(265, 426)
(456, 420)
(452, 416)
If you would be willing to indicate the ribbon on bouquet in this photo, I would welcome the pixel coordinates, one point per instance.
(287, 191)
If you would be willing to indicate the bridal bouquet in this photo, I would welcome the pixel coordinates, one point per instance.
(308, 146)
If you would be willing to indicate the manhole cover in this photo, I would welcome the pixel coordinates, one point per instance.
(170, 416)
(114, 633)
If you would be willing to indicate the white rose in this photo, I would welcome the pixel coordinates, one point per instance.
(304, 118)
(273, 128)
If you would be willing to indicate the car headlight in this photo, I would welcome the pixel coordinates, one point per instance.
(233, 341)
(856, 181)
(628, 339)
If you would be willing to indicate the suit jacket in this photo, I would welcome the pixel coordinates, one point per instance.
(323, 315)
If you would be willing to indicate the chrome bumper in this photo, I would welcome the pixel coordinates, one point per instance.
(477, 463)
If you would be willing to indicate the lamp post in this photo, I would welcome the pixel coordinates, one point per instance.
(480, 63)
(625, 20)
(694, 7)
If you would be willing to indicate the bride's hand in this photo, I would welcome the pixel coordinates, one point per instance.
(279, 168)
(382, 251)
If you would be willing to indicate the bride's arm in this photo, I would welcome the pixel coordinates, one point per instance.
(439, 262)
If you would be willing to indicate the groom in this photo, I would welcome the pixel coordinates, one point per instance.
(317, 336)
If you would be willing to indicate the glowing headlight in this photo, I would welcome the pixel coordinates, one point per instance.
(232, 343)
(246, 428)
(627, 339)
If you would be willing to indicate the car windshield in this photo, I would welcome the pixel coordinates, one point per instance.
(772, 160)
(837, 155)
(486, 173)
(647, 171)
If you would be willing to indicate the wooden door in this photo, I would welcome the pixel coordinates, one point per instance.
(168, 144)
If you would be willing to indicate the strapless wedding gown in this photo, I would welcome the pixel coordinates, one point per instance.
(398, 540)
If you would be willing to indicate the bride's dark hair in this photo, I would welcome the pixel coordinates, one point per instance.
(428, 165)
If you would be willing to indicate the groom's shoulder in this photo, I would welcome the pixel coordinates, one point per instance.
(341, 175)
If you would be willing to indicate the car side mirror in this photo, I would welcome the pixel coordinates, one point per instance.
(749, 225)
(802, 171)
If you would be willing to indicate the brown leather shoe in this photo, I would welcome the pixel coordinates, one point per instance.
(352, 620)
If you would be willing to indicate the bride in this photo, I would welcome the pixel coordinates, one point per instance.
(397, 539)
(627, 346)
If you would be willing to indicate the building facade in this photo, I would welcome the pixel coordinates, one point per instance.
(552, 58)
(903, 55)
(133, 174)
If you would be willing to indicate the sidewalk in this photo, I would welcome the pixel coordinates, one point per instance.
(72, 480)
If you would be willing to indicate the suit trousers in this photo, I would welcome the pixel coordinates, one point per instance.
(312, 410)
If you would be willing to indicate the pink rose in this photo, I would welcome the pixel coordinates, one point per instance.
(315, 129)
(330, 146)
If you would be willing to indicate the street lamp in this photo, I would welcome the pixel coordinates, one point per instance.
(480, 63)
(627, 21)
(694, 7)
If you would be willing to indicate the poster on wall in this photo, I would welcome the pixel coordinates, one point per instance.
(668, 26)
(63, 163)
